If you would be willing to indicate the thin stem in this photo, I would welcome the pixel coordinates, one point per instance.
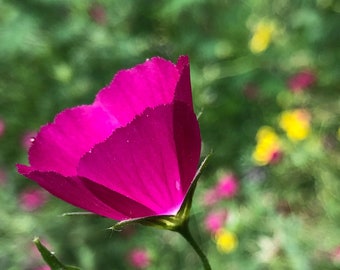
(185, 232)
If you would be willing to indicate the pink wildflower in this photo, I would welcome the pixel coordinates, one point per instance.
(139, 258)
(276, 157)
(215, 221)
(335, 255)
(132, 153)
(28, 139)
(301, 81)
(2, 127)
(210, 197)
(98, 14)
(32, 199)
(227, 186)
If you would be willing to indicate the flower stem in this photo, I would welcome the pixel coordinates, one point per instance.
(185, 232)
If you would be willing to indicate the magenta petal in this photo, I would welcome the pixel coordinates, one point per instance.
(183, 87)
(59, 146)
(124, 208)
(75, 190)
(152, 160)
(146, 85)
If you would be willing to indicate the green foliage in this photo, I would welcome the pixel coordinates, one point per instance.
(50, 258)
(56, 54)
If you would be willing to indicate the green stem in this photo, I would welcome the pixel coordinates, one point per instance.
(185, 232)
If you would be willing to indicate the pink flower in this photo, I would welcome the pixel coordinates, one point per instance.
(335, 255)
(276, 157)
(227, 186)
(98, 14)
(139, 258)
(132, 153)
(301, 81)
(32, 199)
(210, 197)
(215, 221)
(28, 139)
(2, 127)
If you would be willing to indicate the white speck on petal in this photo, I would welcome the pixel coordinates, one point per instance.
(178, 185)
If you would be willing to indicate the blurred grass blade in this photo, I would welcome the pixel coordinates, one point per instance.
(77, 214)
(50, 258)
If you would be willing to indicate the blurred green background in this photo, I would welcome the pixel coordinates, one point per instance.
(246, 59)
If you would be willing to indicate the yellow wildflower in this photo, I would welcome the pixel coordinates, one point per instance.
(296, 124)
(226, 241)
(262, 36)
(338, 134)
(268, 147)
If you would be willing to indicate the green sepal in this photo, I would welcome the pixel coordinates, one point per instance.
(168, 222)
(50, 258)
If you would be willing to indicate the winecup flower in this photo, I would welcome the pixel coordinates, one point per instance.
(268, 147)
(2, 127)
(139, 258)
(301, 81)
(296, 124)
(262, 36)
(227, 186)
(215, 220)
(32, 199)
(132, 153)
